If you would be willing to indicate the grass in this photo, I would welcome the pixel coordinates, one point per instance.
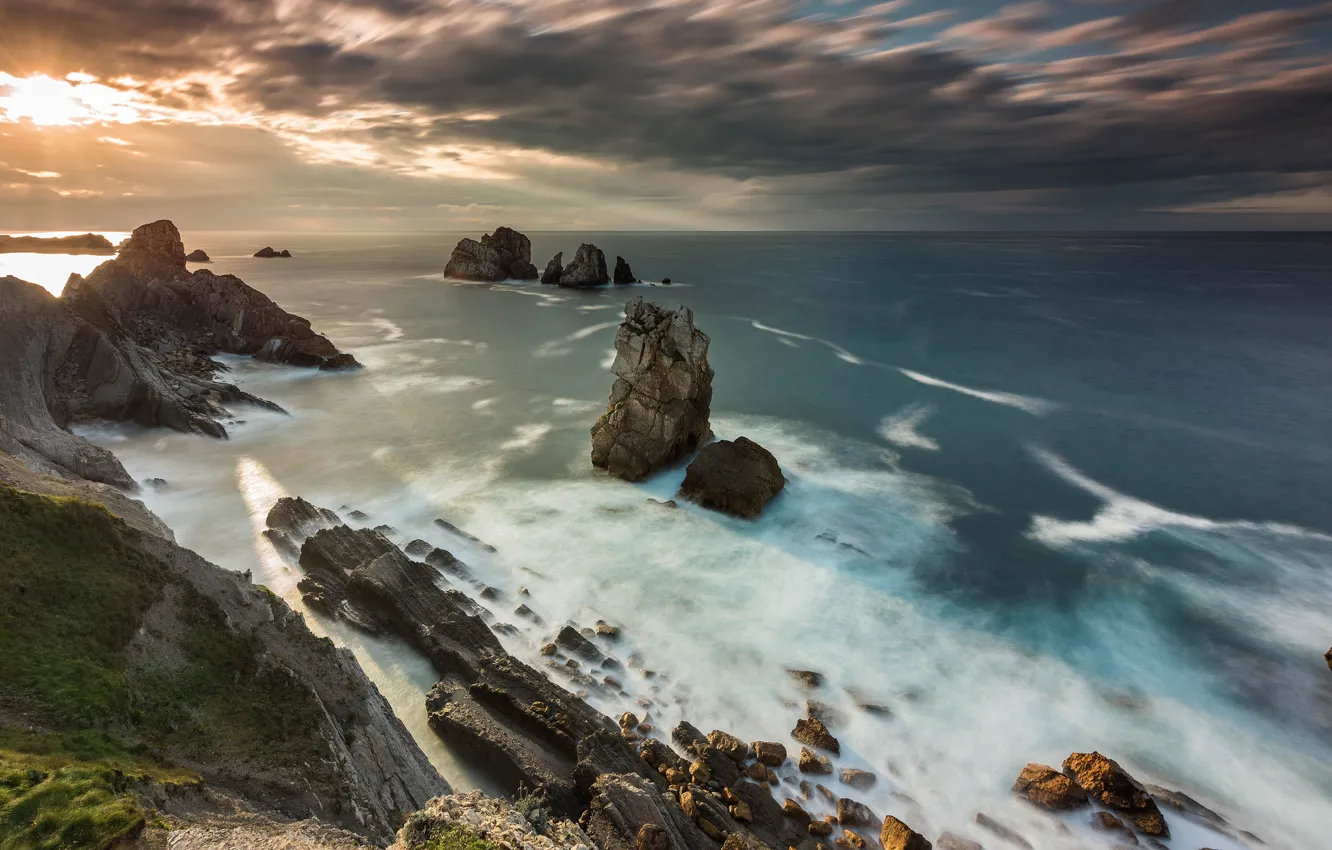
(74, 593)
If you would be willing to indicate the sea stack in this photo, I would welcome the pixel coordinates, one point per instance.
(661, 399)
(505, 254)
(587, 268)
(267, 253)
(554, 269)
(738, 478)
(197, 256)
(623, 274)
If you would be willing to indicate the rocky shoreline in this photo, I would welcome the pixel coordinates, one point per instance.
(132, 342)
(86, 243)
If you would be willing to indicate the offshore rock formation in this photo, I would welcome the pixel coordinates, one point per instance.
(660, 402)
(198, 255)
(623, 274)
(587, 268)
(87, 243)
(505, 254)
(737, 478)
(267, 253)
(148, 292)
(554, 269)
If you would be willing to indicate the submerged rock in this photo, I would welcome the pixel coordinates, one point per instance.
(554, 269)
(1047, 788)
(738, 478)
(505, 254)
(197, 256)
(623, 274)
(267, 253)
(662, 396)
(814, 763)
(587, 268)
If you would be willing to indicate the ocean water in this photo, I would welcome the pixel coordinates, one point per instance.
(1047, 494)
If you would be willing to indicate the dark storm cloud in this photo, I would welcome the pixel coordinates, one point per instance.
(1187, 95)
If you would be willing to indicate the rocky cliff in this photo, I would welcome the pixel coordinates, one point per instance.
(660, 402)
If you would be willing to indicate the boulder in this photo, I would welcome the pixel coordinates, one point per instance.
(267, 253)
(1107, 822)
(811, 731)
(505, 254)
(662, 396)
(554, 269)
(623, 274)
(666, 281)
(896, 835)
(770, 753)
(1114, 788)
(952, 841)
(796, 812)
(809, 679)
(737, 478)
(812, 762)
(1327, 656)
(854, 813)
(729, 745)
(197, 256)
(1046, 788)
(1007, 833)
(861, 780)
(297, 516)
(587, 268)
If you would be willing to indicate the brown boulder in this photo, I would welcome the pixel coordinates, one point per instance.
(1114, 788)
(952, 841)
(811, 731)
(729, 745)
(662, 396)
(737, 478)
(858, 779)
(1046, 788)
(854, 813)
(1106, 822)
(812, 762)
(796, 812)
(896, 835)
(770, 753)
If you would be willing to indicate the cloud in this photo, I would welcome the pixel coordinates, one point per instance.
(729, 112)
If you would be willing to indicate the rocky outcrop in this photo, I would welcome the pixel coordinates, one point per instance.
(1327, 656)
(1113, 787)
(87, 243)
(148, 294)
(494, 821)
(1047, 788)
(587, 268)
(58, 368)
(737, 478)
(505, 254)
(554, 269)
(198, 255)
(623, 274)
(660, 402)
(267, 253)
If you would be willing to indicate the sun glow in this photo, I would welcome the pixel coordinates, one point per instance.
(78, 99)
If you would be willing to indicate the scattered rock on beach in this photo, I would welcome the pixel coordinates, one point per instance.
(1047, 788)
(662, 396)
(896, 835)
(861, 780)
(811, 731)
(814, 763)
(769, 753)
(737, 478)
(1113, 787)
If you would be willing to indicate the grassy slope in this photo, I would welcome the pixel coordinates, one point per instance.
(73, 593)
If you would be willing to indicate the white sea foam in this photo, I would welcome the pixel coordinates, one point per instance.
(575, 405)
(527, 437)
(1031, 404)
(561, 347)
(427, 383)
(842, 353)
(900, 428)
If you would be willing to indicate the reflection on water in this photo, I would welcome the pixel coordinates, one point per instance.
(50, 271)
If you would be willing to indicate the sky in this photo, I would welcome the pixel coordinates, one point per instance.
(421, 115)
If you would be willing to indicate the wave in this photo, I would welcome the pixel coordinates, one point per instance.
(900, 428)
(1031, 404)
(560, 347)
(842, 353)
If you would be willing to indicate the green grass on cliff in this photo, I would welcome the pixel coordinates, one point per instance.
(74, 593)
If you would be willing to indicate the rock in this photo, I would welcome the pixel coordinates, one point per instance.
(1045, 788)
(660, 403)
(267, 253)
(796, 812)
(606, 630)
(688, 737)
(1327, 656)
(651, 837)
(1106, 822)
(823, 712)
(154, 252)
(418, 548)
(554, 269)
(896, 835)
(812, 762)
(1114, 788)
(666, 281)
(453, 529)
(505, 254)
(197, 256)
(587, 268)
(770, 753)
(853, 813)
(494, 822)
(297, 516)
(951, 841)
(858, 779)
(811, 731)
(820, 829)
(570, 639)
(1189, 808)
(809, 679)
(623, 274)
(157, 485)
(742, 812)
(622, 807)
(1007, 833)
(669, 503)
(729, 745)
(737, 478)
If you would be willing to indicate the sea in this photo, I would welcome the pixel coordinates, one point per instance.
(1047, 494)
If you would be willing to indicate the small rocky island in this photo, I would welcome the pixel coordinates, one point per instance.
(198, 255)
(267, 253)
(505, 254)
(86, 243)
